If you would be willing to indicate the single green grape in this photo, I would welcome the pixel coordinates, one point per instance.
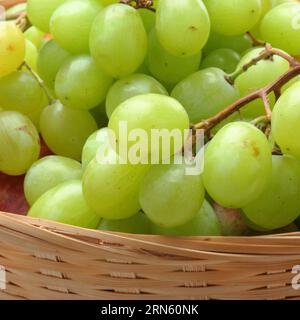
(31, 55)
(278, 206)
(205, 93)
(47, 173)
(129, 87)
(19, 143)
(87, 93)
(116, 54)
(182, 26)
(65, 204)
(137, 224)
(34, 35)
(65, 130)
(205, 223)
(238, 165)
(167, 68)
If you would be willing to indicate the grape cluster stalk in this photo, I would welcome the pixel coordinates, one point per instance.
(140, 4)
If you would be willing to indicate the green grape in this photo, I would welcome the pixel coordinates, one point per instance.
(71, 23)
(167, 68)
(256, 77)
(279, 205)
(12, 48)
(87, 93)
(148, 18)
(238, 165)
(65, 130)
(40, 11)
(149, 112)
(182, 26)
(205, 93)
(19, 143)
(231, 17)
(34, 35)
(240, 43)
(111, 188)
(51, 58)
(19, 91)
(137, 224)
(31, 55)
(169, 197)
(65, 204)
(129, 87)
(285, 121)
(224, 59)
(266, 6)
(116, 54)
(205, 223)
(99, 139)
(47, 173)
(108, 2)
(281, 27)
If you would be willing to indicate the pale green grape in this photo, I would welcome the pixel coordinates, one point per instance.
(148, 18)
(31, 55)
(111, 188)
(117, 54)
(99, 139)
(285, 121)
(279, 205)
(256, 77)
(281, 27)
(19, 143)
(182, 26)
(34, 35)
(148, 112)
(65, 204)
(240, 43)
(81, 84)
(205, 223)
(238, 165)
(231, 17)
(65, 130)
(12, 48)
(51, 58)
(137, 224)
(266, 6)
(19, 91)
(47, 173)
(224, 59)
(129, 87)
(71, 23)
(169, 197)
(40, 12)
(167, 68)
(205, 93)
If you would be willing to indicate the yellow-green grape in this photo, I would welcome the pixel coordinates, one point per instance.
(129, 87)
(167, 68)
(238, 165)
(87, 93)
(256, 77)
(31, 55)
(266, 6)
(12, 48)
(51, 58)
(19, 143)
(169, 196)
(281, 27)
(40, 11)
(65, 130)
(47, 173)
(137, 224)
(231, 17)
(285, 121)
(205, 223)
(182, 26)
(34, 35)
(71, 23)
(107, 2)
(148, 18)
(111, 188)
(65, 204)
(205, 93)
(278, 206)
(116, 54)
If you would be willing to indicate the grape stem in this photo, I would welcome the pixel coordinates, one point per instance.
(40, 82)
(140, 4)
(255, 42)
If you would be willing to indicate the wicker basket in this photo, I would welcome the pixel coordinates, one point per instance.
(46, 260)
